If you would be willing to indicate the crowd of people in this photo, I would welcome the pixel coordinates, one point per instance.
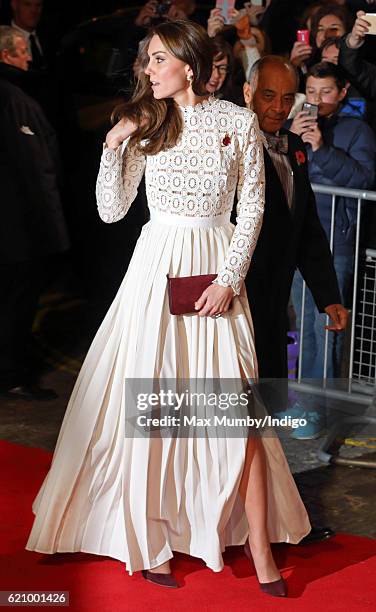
(332, 111)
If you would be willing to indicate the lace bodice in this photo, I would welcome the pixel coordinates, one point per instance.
(218, 152)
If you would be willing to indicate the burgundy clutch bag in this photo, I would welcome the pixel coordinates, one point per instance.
(183, 292)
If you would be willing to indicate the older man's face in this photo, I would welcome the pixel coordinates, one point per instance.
(274, 96)
(21, 57)
(27, 13)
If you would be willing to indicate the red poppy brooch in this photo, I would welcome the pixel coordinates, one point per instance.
(226, 140)
(300, 157)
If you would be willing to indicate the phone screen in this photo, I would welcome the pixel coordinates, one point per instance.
(225, 6)
(371, 18)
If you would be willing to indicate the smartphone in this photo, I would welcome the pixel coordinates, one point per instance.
(311, 109)
(371, 18)
(258, 2)
(303, 36)
(225, 6)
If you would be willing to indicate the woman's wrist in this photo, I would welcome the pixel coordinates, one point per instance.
(353, 41)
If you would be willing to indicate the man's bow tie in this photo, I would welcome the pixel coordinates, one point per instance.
(278, 144)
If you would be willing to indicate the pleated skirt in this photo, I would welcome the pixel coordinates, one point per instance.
(139, 499)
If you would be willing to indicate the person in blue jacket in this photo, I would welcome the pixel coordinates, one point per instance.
(341, 152)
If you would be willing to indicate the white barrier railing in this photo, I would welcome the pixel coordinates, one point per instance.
(349, 390)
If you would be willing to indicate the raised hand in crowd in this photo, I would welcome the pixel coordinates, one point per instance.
(216, 22)
(150, 11)
(360, 29)
(175, 12)
(147, 12)
(300, 53)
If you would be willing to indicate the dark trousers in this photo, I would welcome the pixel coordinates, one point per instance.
(21, 284)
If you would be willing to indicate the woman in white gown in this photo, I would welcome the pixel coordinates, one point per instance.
(139, 499)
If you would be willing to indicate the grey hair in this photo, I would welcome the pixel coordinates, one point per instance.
(269, 59)
(8, 37)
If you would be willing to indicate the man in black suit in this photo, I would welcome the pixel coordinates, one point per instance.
(32, 226)
(26, 18)
(291, 235)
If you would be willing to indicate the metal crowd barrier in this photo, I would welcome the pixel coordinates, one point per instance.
(358, 390)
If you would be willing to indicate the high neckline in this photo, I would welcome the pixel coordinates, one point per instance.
(200, 105)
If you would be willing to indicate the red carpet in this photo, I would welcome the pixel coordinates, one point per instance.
(335, 575)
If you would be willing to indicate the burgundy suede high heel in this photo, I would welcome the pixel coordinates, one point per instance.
(166, 580)
(277, 588)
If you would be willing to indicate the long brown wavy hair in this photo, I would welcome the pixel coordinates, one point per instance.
(161, 120)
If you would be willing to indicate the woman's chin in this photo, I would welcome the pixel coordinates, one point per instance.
(157, 94)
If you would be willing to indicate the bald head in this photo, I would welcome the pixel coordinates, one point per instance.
(271, 90)
(271, 63)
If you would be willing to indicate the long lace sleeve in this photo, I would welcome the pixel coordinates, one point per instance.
(119, 176)
(250, 209)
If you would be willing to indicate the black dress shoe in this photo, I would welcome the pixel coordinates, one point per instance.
(30, 393)
(317, 534)
(166, 580)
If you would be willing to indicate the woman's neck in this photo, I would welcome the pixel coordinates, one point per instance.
(189, 98)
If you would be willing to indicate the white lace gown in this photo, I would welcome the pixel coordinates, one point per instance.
(140, 499)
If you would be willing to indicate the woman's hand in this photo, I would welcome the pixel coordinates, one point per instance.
(313, 137)
(215, 300)
(303, 122)
(300, 53)
(120, 132)
(360, 29)
(216, 22)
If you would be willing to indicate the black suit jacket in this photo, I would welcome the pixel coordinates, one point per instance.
(32, 222)
(288, 240)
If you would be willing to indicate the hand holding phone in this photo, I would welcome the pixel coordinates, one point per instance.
(365, 23)
(305, 120)
(301, 50)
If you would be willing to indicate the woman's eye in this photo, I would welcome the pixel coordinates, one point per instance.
(159, 59)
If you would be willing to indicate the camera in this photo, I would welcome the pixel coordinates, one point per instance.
(163, 6)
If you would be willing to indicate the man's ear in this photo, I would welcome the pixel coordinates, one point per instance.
(247, 92)
(343, 93)
(4, 56)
